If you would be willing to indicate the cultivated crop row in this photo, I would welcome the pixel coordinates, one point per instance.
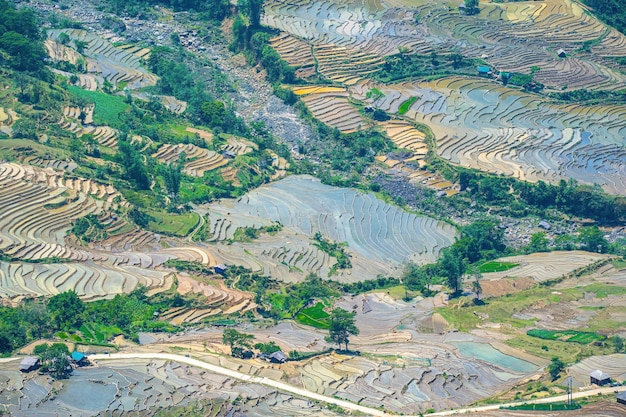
(198, 160)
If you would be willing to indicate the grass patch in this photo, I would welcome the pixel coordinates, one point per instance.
(314, 316)
(619, 263)
(546, 407)
(172, 224)
(405, 106)
(107, 108)
(397, 292)
(502, 309)
(494, 266)
(584, 338)
(98, 334)
(547, 349)
(603, 290)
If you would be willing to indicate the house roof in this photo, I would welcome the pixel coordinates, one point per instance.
(621, 396)
(483, 68)
(599, 375)
(29, 362)
(78, 356)
(278, 356)
(561, 52)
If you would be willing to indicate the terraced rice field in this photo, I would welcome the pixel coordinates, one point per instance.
(545, 266)
(380, 235)
(405, 136)
(104, 135)
(115, 64)
(296, 53)
(478, 123)
(239, 146)
(505, 131)
(336, 111)
(614, 365)
(405, 374)
(219, 300)
(143, 386)
(197, 160)
(39, 206)
(89, 281)
(509, 36)
(378, 28)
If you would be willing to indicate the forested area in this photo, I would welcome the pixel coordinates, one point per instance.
(20, 39)
(610, 11)
(68, 318)
(580, 200)
(211, 9)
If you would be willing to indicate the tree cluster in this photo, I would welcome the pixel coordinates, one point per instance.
(610, 11)
(568, 196)
(210, 9)
(479, 241)
(21, 46)
(128, 313)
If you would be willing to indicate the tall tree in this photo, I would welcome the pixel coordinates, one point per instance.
(171, 177)
(66, 310)
(342, 325)
(452, 267)
(555, 368)
(476, 276)
(237, 341)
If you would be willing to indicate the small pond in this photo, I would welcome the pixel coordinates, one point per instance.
(488, 353)
(86, 390)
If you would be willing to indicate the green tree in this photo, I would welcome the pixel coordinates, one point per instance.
(592, 239)
(64, 38)
(267, 348)
(538, 243)
(555, 368)
(36, 319)
(80, 45)
(342, 325)
(476, 276)
(472, 6)
(452, 267)
(66, 310)
(238, 342)
(618, 343)
(134, 168)
(212, 113)
(172, 177)
(55, 359)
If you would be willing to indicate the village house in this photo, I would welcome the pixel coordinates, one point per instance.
(599, 378)
(29, 363)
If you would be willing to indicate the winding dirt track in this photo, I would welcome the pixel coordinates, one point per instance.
(345, 404)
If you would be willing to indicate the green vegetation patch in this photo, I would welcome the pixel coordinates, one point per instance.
(336, 250)
(248, 233)
(546, 407)
(405, 106)
(96, 334)
(495, 266)
(108, 107)
(314, 316)
(503, 309)
(575, 336)
(172, 224)
(603, 290)
(405, 66)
